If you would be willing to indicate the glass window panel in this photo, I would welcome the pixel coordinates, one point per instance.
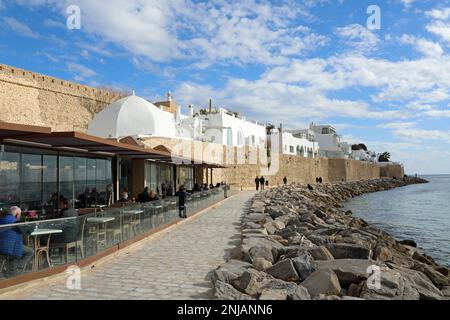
(66, 178)
(80, 175)
(31, 181)
(9, 179)
(49, 185)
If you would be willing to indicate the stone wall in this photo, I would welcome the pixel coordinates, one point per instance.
(35, 99)
(392, 171)
(253, 162)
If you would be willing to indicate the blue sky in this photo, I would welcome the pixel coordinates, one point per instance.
(285, 61)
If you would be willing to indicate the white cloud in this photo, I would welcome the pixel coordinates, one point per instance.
(438, 14)
(438, 113)
(206, 32)
(440, 29)
(20, 28)
(81, 72)
(358, 37)
(424, 46)
(409, 131)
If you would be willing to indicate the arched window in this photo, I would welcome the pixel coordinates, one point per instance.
(240, 139)
(229, 137)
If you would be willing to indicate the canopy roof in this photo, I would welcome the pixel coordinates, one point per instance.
(77, 141)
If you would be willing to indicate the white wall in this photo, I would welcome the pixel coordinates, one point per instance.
(242, 132)
(291, 144)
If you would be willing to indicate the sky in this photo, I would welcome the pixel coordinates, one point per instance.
(286, 61)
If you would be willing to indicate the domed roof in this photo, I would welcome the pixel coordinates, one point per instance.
(132, 116)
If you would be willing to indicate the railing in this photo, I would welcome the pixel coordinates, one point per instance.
(51, 243)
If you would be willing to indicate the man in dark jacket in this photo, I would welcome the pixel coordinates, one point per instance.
(285, 180)
(182, 195)
(262, 181)
(257, 183)
(144, 196)
(11, 243)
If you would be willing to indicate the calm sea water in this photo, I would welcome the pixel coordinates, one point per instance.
(419, 212)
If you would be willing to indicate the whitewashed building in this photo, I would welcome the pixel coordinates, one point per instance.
(224, 127)
(298, 144)
(135, 116)
(330, 143)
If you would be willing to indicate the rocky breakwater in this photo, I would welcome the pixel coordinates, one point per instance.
(299, 244)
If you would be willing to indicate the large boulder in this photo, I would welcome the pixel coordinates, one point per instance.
(273, 294)
(261, 252)
(253, 282)
(304, 265)
(261, 264)
(241, 252)
(225, 291)
(284, 270)
(322, 282)
(230, 270)
(348, 251)
(419, 282)
(382, 253)
(301, 294)
(321, 253)
(436, 277)
(348, 271)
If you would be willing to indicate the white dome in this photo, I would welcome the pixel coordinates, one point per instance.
(132, 116)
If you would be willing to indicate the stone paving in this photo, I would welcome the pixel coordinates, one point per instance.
(174, 264)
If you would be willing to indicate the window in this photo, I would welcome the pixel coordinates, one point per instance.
(240, 139)
(325, 130)
(66, 178)
(229, 137)
(9, 179)
(291, 149)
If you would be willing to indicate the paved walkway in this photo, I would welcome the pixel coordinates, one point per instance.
(172, 265)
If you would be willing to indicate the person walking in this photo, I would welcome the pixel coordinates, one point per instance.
(285, 180)
(182, 202)
(257, 183)
(261, 182)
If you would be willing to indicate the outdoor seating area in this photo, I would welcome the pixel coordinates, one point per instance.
(70, 240)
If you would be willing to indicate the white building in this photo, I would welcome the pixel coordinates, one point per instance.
(221, 126)
(299, 144)
(133, 116)
(363, 155)
(330, 143)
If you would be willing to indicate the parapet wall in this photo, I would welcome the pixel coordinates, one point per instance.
(392, 171)
(35, 99)
(253, 162)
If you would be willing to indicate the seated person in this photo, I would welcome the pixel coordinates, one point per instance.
(218, 185)
(69, 227)
(124, 197)
(153, 196)
(196, 187)
(211, 186)
(144, 196)
(205, 187)
(11, 243)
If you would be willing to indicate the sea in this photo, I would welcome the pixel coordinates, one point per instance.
(419, 212)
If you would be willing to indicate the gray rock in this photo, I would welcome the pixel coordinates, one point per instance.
(273, 294)
(261, 252)
(410, 243)
(321, 253)
(241, 252)
(301, 294)
(348, 271)
(261, 264)
(322, 282)
(225, 291)
(230, 270)
(304, 265)
(436, 277)
(253, 282)
(284, 270)
(348, 251)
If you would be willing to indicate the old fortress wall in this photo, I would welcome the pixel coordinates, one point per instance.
(35, 99)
